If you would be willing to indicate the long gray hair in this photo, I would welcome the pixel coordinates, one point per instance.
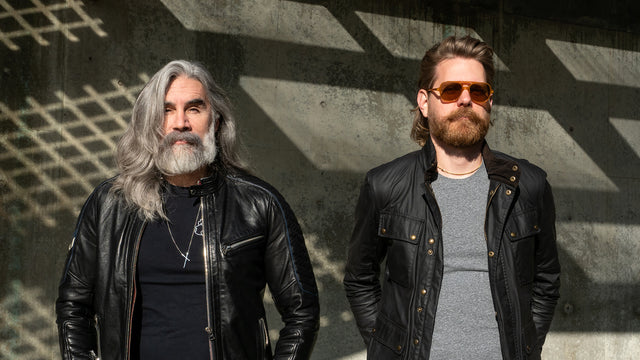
(140, 181)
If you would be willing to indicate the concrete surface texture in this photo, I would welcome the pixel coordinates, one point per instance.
(323, 91)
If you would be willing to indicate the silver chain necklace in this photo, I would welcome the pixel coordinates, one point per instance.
(185, 255)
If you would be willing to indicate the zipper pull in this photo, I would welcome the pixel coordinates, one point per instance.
(210, 332)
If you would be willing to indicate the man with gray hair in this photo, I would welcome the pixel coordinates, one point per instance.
(472, 269)
(170, 259)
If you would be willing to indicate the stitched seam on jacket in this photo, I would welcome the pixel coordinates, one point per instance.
(286, 226)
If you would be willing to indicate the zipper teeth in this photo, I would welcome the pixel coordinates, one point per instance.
(132, 293)
(209, 328)
(264, 332)
(238, 244)
(95, 317)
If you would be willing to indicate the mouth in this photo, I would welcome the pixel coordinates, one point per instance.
(460, 118)
(181, 140)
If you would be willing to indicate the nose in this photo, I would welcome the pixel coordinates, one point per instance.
(465, 97)
(181, 122)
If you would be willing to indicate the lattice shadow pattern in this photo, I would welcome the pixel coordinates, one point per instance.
(28, 324)
(52, 156)
(37, 19)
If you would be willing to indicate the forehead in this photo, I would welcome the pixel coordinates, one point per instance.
(183, 88)
(459, 69)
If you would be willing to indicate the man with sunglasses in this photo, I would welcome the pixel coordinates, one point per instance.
(472, 269)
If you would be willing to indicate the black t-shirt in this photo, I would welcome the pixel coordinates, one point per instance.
(171, 316)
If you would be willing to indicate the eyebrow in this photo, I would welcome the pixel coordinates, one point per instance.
(190, 103)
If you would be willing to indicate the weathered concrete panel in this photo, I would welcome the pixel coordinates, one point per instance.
(323, 91)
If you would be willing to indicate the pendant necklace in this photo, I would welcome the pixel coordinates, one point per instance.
(185, 255)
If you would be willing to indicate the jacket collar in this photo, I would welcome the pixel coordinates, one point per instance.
(207, 185)
(499, 167)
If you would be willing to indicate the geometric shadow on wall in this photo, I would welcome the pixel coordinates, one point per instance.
(19, 20)
(28, 326)
(356, 61)
(52, 155)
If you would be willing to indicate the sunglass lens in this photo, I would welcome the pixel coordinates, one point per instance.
(451, 91)
(479, 92)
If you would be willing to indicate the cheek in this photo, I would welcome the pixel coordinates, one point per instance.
(202, 131)
(436, 111)
(166, 125)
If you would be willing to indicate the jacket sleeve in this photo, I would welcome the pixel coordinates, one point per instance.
(366, 251)
(292, 283)
(74, 306)
(546, 283)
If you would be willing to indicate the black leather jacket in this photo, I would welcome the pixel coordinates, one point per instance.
(252, 238)
(397, 216)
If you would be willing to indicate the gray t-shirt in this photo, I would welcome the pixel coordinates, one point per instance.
(465, 324)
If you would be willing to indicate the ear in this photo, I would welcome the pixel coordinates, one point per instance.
(423, 103)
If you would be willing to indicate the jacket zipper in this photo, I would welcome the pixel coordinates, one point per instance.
(265, 336)
(209, 329)
(227, 248)
(133, 291)
(99, 350)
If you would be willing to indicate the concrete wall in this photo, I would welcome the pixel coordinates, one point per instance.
(322, 91)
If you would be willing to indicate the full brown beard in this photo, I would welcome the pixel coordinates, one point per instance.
(463, 128)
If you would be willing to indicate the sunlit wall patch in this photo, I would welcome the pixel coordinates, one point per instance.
(629, 130)
(282, 21)
(598, 64)
(567, 164)
(312, 116)
(410, 38)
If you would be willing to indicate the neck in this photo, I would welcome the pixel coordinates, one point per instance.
(457, 162)
(186, 180)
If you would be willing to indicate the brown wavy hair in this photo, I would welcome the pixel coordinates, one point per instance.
(451, 47)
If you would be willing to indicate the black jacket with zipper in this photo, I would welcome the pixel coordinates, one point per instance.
(397, 216)
(252, 239)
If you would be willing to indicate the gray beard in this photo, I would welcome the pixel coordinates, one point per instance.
(172, 159)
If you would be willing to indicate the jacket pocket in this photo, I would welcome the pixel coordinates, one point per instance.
(74, 341)
(403, 235)
(521, 230)
(229, 249)
(387, 340)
